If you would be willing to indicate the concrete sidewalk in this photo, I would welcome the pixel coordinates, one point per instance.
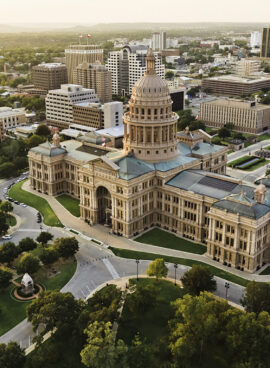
(102, 233)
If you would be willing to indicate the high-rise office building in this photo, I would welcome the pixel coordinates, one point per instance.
(59, 103)
(265, 46)
(255, 39)
(128, 65)
(77, 54)
(94, 76)
(49, 76)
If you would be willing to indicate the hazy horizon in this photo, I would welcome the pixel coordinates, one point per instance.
(90, 12)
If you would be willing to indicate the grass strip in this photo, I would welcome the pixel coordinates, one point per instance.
(40, 204)
(132, 254)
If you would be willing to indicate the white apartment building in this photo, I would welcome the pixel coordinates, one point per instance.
(11, 118)
(255, 39)
(113, 114)
(59, 103)
(159, 41)
(128, 65)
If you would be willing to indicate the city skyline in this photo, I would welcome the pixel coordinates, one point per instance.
(208, 11)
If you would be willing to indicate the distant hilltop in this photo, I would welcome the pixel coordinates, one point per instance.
(129, 27)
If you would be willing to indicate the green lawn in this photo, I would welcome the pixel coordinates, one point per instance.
(11, 220)
(132, 254)
(40, 204)
(13, 311)
(165, 239)
(266, 271)
(70, 203)
(152, 325)
(263, 137)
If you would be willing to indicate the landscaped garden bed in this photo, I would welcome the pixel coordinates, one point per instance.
(248, 163)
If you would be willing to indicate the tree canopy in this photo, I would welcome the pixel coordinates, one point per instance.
(157, 268)
(198, 278)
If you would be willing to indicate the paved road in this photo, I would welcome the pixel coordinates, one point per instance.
(246, 175)
(96, 265)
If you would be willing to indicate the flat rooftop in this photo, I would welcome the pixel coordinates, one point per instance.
(231, 102)
(238, 79)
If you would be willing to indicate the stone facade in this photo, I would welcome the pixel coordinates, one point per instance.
(181, 190)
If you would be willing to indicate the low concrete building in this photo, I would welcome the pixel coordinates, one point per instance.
(59, 103)
(246, 116)
(233, 85)
(11, 118)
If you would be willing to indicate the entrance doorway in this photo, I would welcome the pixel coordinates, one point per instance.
(104, 202)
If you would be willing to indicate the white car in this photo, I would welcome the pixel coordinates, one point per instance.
(23, 205)
(7, 237)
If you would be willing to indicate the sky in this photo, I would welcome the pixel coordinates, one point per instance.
(116, 11)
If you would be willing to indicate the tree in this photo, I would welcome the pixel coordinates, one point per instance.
(229, 126)
(5, 277)
(198, 278)
(20, 163)
(11, 355)
(34, 141)
(28, 264)
(216, 140)
(6, 206)
(196, 337)
(7, 170)
(8, 252)
(142, 299)
(43, 130)
(66, 247)
(185, 118)
(27, 244)
(54, 310)
(169, 74)
(140, 354)
(257, 297)
(101, 350)
(247, 339)
(3, 223)
(49, 256)
(224, 133)
(104, 304)
(157, 268)
(44, 237)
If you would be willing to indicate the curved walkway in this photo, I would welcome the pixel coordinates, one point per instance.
(102, 233)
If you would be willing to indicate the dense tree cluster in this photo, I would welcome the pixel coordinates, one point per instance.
(202, 330)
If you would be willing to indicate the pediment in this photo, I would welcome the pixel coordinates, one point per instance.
(104, 162)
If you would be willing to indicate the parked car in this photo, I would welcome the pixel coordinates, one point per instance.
(23, 205)
(7, 237)
(16, 202)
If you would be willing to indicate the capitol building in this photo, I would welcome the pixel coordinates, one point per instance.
(161, 178)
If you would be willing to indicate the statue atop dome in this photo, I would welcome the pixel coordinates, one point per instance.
(150, 63)
(56, 140)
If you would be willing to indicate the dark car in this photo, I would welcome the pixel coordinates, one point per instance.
(16, 202)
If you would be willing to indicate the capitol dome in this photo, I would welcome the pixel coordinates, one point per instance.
(152, 125)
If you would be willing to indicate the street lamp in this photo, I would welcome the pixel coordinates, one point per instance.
(137, 261)
(175, 267)
(227, 286)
